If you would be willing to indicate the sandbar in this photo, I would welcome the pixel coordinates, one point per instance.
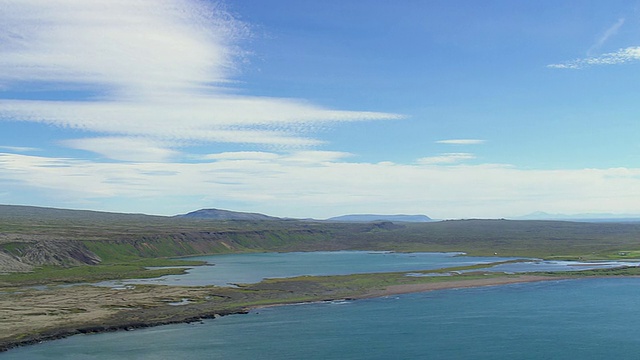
(459, 284)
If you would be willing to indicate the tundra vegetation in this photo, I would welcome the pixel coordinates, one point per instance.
(42, 248)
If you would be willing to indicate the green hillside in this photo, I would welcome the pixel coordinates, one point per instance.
(35, 239)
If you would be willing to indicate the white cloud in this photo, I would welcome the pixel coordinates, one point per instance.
(316, 157)
(237, 119)
(125, 149)
(242, 155)
(448, 158)
(281, 185)
(19, 148)
(461, 141)
(622, 56)
(158, 70)
(133, 45)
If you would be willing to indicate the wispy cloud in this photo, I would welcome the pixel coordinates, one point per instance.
(228, 119)
(19, 149)
(133, 46)
(158, 70)
(461, 141)
(242, 155)
(611, 31)
(125, 148)
(622, 56)
(448, 158)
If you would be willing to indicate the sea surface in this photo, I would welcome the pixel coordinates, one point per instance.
(564, 319)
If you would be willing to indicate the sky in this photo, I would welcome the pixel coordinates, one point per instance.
(313, 109)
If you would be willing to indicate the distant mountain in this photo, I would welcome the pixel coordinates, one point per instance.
(372, 217)
(48, 213)
(217, 214)
(586, 217)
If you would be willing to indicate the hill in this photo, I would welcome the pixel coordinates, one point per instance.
(116, 244)
(37, 213)
(217, 214)
(372, 217)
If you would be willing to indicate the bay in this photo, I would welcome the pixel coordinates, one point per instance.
(254, 267)
(565, 319)
(229, 269)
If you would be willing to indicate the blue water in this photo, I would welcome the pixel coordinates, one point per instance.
(252, 268)
(569, 319)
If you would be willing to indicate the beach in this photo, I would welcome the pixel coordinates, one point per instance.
(458, 284)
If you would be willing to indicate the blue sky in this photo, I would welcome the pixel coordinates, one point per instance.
(453, 109)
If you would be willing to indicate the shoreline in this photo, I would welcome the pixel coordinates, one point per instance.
(461, 284)
(198, 316)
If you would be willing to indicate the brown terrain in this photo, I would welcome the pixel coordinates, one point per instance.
(29, 316)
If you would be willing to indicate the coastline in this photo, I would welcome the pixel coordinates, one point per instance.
(460, 284)
(166, 315)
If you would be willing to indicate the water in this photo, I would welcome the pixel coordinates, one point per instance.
(252, 268)
(569, 319)
(548, 265)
